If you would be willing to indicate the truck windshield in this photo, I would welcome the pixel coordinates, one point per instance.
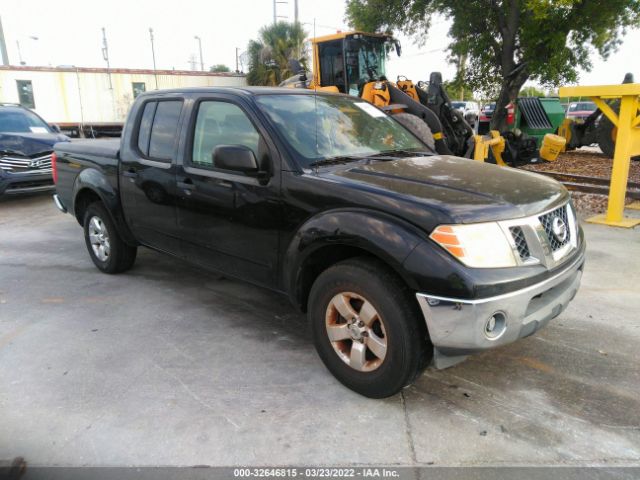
(17, 120)
(321, 127)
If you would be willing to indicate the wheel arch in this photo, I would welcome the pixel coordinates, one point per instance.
(334, 236)
(92, 185)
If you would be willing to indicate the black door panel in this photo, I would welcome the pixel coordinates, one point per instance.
(228, 221)
(148, 176)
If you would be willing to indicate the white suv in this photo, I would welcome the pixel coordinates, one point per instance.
(470, 111)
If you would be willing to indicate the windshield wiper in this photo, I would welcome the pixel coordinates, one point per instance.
(395, 153)
(337, 160)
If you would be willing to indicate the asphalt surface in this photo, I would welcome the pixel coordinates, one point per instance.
(169, 365)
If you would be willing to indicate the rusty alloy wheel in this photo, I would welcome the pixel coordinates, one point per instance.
(356, 331)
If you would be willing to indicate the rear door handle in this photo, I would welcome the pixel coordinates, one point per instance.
(186, 185)
(130, 173)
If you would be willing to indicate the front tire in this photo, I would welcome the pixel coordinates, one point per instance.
(107, 249)
(418, 127)
(367, 328)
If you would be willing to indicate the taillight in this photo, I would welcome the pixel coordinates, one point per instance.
(54, 167)
(483, 118)
(511, 114)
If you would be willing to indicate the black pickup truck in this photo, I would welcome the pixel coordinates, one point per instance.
(402, 258)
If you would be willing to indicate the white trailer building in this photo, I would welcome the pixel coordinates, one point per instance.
(89, 101)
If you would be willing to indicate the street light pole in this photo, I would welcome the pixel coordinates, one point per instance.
(237, 71)
(22, 62)
(105, 55)
(153, 55)
(200, 48)
(19, 53)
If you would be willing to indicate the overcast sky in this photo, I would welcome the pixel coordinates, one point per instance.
(69, 33)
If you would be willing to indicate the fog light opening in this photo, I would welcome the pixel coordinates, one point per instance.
(495, 326)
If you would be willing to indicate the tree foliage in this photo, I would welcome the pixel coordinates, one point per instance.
(269, 55)
(457, 90)
(219, 68)
(532, 91)
(507, 42)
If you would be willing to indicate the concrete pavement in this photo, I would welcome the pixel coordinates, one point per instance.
(169, 365)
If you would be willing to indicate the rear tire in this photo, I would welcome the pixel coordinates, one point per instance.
(384, 345)
(605, 133)
(105, 245)
(418, 127)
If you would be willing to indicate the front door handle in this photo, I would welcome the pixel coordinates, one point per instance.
(130, 173)
(187, 184)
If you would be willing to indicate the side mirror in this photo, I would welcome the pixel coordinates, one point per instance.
(235, 157)
(55, 128)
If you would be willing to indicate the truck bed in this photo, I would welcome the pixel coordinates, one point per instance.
(76, 157)
(106, 149)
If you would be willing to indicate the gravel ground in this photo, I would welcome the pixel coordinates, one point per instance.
(587, 161)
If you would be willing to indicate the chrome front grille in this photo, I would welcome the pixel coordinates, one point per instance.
(36, 165)
(556, 226)
(546, 238)
(520, 242)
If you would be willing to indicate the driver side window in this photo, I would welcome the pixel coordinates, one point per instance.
(221, 123)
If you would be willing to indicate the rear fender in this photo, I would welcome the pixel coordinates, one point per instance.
(97, 182)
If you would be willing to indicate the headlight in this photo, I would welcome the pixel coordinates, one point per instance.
(479, 245)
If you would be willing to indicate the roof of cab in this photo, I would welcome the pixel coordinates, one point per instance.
(249, 91)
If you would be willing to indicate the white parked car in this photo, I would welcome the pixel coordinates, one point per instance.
(470, 111)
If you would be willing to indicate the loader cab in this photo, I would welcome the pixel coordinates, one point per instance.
(350, 60)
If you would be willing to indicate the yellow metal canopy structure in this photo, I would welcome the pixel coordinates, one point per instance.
(627, 132)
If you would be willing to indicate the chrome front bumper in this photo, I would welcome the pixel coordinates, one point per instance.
(459, 327)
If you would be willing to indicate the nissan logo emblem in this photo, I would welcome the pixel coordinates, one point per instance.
(559, 229)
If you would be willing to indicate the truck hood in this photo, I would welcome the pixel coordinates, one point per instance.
(29, 144)
(464, 190)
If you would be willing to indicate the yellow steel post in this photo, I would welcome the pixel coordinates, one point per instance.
(621, 163)
(627, 123)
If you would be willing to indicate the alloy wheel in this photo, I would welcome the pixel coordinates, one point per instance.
(356, 331)
(99, 239)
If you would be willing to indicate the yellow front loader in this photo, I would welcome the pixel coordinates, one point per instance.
(354, 63)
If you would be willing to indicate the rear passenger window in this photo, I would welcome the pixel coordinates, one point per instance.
(221, 123)
(158, 130)
(164, 130)
(144, 131)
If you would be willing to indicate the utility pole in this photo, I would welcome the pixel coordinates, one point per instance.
(192, 61)
(275, 11)
(237, 70)
(105, 55)
(200, 48)
(295, 11)
(81, 133)
(153, 55)
(3, 46)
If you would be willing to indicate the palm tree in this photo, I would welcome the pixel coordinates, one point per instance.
(269, 55)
